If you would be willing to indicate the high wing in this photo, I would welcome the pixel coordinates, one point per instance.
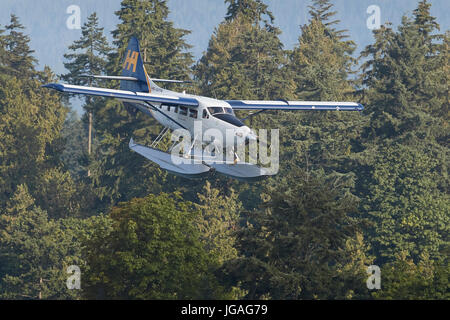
(123, 94)
(294, 105)
(135, 84)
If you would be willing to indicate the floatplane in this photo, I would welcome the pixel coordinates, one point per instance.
(186, 112)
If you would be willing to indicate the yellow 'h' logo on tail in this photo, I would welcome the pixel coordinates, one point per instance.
(131, 59)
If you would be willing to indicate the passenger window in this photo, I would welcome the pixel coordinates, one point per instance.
(183, 111)
(193, 113)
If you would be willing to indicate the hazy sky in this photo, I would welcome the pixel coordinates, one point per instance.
(45, 20)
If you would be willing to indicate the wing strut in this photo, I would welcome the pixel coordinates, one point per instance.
(253, 114)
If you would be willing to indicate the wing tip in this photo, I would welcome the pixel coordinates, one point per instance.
(54, 86)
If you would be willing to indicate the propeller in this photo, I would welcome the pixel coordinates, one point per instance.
(253, 137)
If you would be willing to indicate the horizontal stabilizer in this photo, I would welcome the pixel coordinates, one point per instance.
(131, 78)
(171, 81)
(109, 77)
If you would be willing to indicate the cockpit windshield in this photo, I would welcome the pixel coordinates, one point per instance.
(218, 110)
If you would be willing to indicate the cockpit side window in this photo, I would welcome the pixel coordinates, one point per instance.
(205, 114)
(215, 110)
(229, 110)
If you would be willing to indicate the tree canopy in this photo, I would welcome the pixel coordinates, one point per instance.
(353, 190)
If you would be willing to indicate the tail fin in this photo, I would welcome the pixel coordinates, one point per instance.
(133, 66)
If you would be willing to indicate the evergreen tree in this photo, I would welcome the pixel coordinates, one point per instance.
(163, 46)
(218, 222)
(434, 82)
(405, 280)
(30, 124)
(309, 240)
(321, 65)
(59, 193)
(425, 22)
(321, 10)
(35, 251)
(244, 59)
(89, 57)
(89, 54)
(302, 244)
(405, 201)
(3, 53)
(402, 173)
(153, 251)
(84, 202)
(254, 11)
(400, 91)
(75, 135)
(119, 173)
(19, 59)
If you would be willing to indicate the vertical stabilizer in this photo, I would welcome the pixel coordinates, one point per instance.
(133, 66)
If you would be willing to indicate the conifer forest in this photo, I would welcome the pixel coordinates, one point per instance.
(354, 189)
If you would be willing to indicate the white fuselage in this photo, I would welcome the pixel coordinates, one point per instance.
(210, 116)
